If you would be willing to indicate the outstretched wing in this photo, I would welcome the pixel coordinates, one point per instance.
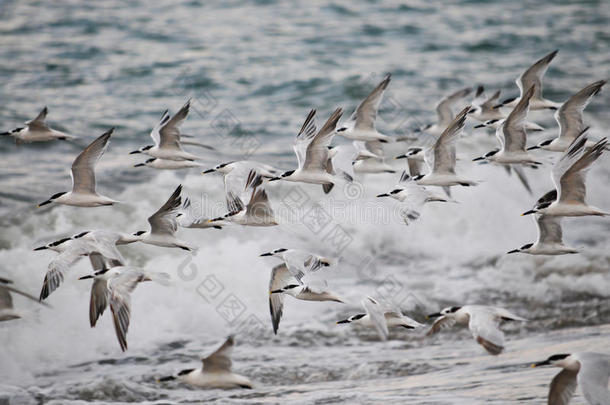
(316, 156)
(220, 360)
(533, 75)
(366, 112)
(164, 221)
(169, 133)
(83, 168)
(444, 148)
(280, 278)
(444, 109)
(569, 115)
(304, 137)
(377, 315)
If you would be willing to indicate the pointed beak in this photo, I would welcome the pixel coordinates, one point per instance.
(208, 171)
(478, 159)
(528, 212)
(403, 156)
(40, 248)
(216, 219)
(383, 195)
(541, 363)
(472, 110)
(276, 292)
(275, 178)
(495, 107)
(85, 277)
(139, 165)
(343, 321)
(266, 254)
(134, 152)
(480, 126)
(512, 251)
(44, 203)
(533, 147)
(435, 315)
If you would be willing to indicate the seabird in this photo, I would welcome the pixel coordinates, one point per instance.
(36, 130)
(550, 238)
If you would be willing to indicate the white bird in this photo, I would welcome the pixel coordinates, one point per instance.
(164, 224)
(166, 164)
(313, 155)
(370, 158)
(300, 262)
(7, 310)
(590, 371)
(215, 372)
(167, 138)
(281, 283)
(83, 192)
(381, 316)
(569, 175)
(533, 77)
(550, 238)
(569, 118)
(257, 212)
(187, 218)
(483, 322)
(266, 171)
(361, 125)
(412, 197)
(112, 287)
(440, 158)
(444, 112)
(482, 108)
(37, 130)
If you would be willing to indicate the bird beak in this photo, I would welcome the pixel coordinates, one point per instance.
(471, 110)
(383, 195)
(44, 203)
(139, 165)
(495, 107)
(216, 219)
(528, 212)
(478, 159)
(403, 156)
(533, 147)
(435, 315)
(266, 254)
(541, 363)
(85, 277)
(40, 248)
(275, 292)
(134, 152)
(513, 251)
(480, 126)
(343, 321)
(208, 171)
(275, 178)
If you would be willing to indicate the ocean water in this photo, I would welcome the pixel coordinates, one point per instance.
(253, 70)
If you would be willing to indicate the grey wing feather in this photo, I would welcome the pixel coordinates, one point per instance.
(83, 168)
(440, 324)
(569, 115)
(316, 155)
(366, 112)
(279, 279)
(549, 229)
(164, 220)
(572, 182)
(98, 302)
(38, 122)
(444, 109)
(377, 315)
(444, 148)
(563, 387)
(533, 75)
(170, 132)
(513, 129)
(220, 360)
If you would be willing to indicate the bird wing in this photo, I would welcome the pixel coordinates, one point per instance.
(305, 137)
(533, 75)
(366, 112)
(513, 129)
(259, 205)
(98, 301)
(569, 115)
(444, 147)
(60, 265)
(444, 109)
(104, 243)
(491, 101)
(375, 147)
(316, 156)
(280, 277)
(220, 360)
(377, 316)
(154, 134)
(484, 326)
(83, 168)
(38, 122)
(563, 387)
(440, 324)
(169, 133)
(164, 221)
(549, 229)
(6, 301)
(593, 377)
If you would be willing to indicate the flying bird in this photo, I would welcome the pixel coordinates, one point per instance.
(37, 130)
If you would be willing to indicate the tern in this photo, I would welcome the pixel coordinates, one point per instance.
(550, 238)
(590, 371)
(164, 224)
(569, 118)
(412, 196)
(281, 283)
(569, 174)
(215, 372)
(440, 158)
(257, 212)
(167, 138)
(482, 107)
(533, 77)
(444, 112)
(313, 155)
(300, 262)
(83, 192)
(37, 130)
(361, 125)
(483, 322)
(370, 159)
(381, 317)
(266, 171)
(7, 310)
(187, 219)
(112, 287)
(166, 164)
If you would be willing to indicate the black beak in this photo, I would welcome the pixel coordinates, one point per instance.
(495, 107)
(134, 152)
(403, 156)
(383, 195)
(528, 212)
(139, 165)
(275, 178)
(343, 321)
(266, 254)
(541, 363)
(479, 158)
(85, 277)
(168, 378)
(44, 203)
(41, 248)
(533, 147)
(276, 292)
(471, 110)
(513, 251)
(208, 171)
(480, 126)
(435, 315)
(216, 219)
